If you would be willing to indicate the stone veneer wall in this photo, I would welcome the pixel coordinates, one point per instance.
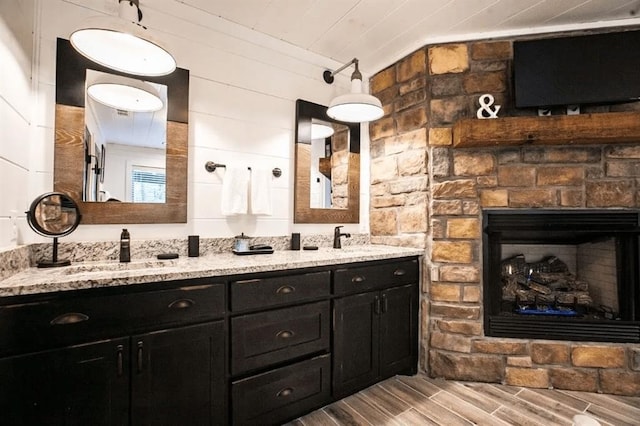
(426, 194)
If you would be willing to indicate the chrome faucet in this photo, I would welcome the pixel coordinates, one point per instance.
(336, 237)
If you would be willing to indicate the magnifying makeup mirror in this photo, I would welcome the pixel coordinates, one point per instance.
(53, 214)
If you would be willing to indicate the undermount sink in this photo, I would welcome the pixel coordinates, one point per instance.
(84, 268)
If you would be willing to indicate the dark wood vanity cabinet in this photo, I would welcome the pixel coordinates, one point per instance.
(251, 349)
(80, 385)
(375, 325)
(178, 376)
(172, 374)
(280, 346)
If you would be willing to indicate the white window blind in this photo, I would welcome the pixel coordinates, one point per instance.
(148, 184)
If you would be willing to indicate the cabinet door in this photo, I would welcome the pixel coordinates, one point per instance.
(80, 385)
(355, 349)
(178, 376)
(398, 331)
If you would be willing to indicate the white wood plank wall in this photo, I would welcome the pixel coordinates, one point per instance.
(243, 88)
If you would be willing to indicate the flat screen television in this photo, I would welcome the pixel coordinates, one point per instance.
(580, 70)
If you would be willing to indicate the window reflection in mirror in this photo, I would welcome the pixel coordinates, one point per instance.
(125, 151)
(329, 165)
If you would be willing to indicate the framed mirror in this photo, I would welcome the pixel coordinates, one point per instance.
(89, 161)
(327, 167)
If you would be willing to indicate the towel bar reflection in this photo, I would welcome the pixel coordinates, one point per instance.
(211, 167)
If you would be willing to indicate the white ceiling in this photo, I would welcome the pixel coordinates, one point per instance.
(379, 32)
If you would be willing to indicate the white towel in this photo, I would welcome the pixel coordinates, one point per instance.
(235, 190)
(261, 191)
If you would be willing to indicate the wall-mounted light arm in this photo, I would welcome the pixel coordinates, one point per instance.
(354, 107)
(328, 74)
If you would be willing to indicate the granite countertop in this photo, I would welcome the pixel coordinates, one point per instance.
(112, 273)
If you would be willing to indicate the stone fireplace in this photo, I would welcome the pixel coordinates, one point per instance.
(427, 193)
(561, 275)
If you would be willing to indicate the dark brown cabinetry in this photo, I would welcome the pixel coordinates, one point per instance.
(164, 376)
(280, 346)
(282, 393)
(80, 385)
(376, 329)
(177, 376)
(267, 338)
(250, 349)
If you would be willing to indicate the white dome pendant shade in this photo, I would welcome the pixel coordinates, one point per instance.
(122, 43)
(356, 106)
(134, 96)
(320, 130)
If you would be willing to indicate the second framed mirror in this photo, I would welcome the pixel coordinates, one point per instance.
(327, 167)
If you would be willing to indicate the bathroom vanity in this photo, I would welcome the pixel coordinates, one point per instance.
(213, 340)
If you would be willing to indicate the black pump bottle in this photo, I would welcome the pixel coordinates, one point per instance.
(125, 247)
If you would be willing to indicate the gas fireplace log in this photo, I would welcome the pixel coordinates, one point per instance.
(561, 298)
(540, 288)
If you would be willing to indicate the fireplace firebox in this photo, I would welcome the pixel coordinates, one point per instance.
(562, 274)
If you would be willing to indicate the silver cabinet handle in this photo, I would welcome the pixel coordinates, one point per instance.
(358, 279)
(399, 272)
(69, 318)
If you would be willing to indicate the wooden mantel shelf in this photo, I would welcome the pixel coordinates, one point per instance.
(605, 128)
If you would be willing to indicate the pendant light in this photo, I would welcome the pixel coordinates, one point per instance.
(320, 130)
(356, 106)
(123, 93)
(122, 43)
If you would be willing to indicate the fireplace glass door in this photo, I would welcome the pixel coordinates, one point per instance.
(567, 275)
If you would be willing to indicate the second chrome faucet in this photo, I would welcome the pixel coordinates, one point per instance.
(337, 243)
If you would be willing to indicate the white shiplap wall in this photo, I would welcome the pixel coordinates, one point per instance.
(243, 87)
(16, 109)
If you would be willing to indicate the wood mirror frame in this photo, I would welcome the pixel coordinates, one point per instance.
(303, 213)
(69, 144)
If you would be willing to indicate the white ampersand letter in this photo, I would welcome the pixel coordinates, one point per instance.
(486, 110)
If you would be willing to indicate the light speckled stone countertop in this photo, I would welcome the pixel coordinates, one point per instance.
(112, 273)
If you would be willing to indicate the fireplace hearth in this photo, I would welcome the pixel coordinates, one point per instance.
(562, 274)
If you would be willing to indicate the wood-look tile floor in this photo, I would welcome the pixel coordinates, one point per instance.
(420, 400)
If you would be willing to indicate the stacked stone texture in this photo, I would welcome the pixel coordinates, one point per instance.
(426, 194)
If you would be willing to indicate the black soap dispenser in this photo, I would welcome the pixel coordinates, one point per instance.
(125, 247)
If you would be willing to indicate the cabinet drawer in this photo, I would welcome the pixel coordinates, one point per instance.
(282, 394)
(266, 292)
(266, 338)
(74, 319)
(375, 276)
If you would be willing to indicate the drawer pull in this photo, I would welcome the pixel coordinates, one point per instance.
(399, 272)
(385, 304)
(181, 304)
(358, 279)
(285, 289)
(376, 305)
(285, 334)
(69, 318)
(284, 393)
